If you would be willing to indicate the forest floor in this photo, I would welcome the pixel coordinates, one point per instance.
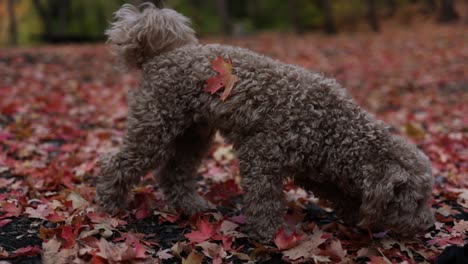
(63, 106)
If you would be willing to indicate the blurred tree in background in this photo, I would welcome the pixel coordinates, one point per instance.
(447, 11)
(29, 21)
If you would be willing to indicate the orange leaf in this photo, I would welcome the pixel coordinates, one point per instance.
(193, 258)
(97, 259)
(225, 78)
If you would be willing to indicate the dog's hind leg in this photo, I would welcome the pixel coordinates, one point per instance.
(177, 175)
(151, 132)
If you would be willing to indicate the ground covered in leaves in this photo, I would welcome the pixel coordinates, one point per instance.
(61, 107)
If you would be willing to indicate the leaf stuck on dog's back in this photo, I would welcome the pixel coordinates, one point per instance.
(225, 78)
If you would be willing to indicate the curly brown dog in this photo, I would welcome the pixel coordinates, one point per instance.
(283, 121)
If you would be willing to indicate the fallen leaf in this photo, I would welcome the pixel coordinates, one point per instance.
(366, 252)
(414, 131)
(308, 248)
(4, 222)
(463, 199)
(164, 254)
(77, 200)
(283, 241)
(443, 241)
(5, 182)
(69, 235)
(222, 193)
(179, 247)
(120, 251)
(51, 252)
(212, 250)
(142, 212)
(461, 227)
(95, 259)
(42, 211)
(11, 209)
(205, 230)
(26, 251)
(193, 258)
(336, 250)
(378, 260)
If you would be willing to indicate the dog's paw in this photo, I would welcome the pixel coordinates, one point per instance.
(350, 217)
(110, 201)
(265, 234)
(193, 204)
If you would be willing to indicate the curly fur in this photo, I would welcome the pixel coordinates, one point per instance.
(136, 35)
(283, 120)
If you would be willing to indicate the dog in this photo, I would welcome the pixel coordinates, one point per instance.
(283, 121)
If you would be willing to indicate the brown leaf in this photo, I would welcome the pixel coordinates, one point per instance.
(52, 252)
(308, 248)
(193, 258)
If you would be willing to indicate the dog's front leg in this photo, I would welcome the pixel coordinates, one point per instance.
(177, 176)
(147, 143)
(264, 199)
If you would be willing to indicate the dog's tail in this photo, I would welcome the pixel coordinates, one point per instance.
(137, 35)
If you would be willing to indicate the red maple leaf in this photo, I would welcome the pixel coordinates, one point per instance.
(27, 251)
(55, 217)
(283, 241)
(5, 222)
(11, 209)
(130, 249)
(224, 78)
(97, 259)
(222, 192)
(205, 231)
(142, 212)
(70, 236)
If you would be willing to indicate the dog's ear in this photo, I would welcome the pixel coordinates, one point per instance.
(379, 193)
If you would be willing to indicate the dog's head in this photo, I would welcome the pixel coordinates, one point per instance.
(399, 190)
(139, 34)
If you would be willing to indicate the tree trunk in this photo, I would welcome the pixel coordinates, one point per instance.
(392, 7)
(432, 5)
(447, 12)
(294, 17)
(372, 15)
(12, 26)
(43, 14)
(63, 15)
(466, 18)
(224, 15)
(328, 18)
(55, 17)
